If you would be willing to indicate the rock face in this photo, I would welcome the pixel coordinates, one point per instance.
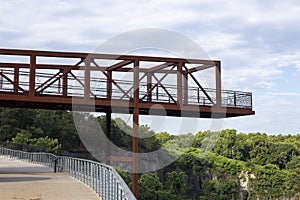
(245, 177)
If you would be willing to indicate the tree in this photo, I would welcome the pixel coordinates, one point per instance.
(258, 145)
(23, 137)
(46, 144)
(294, 163)
(150, 187)
(163, 137)
(177, 182)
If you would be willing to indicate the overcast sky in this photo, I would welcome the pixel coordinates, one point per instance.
(258, 43)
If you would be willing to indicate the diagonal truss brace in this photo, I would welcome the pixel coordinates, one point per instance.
(12, 82)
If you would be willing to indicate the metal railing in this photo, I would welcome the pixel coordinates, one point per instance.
(46, 159)
(195, 95)
(102, 178)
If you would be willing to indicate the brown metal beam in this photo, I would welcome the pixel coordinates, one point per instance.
(185, 88)
(76, 67)
(121, 159)
(158, 82)
(135, 129)
(32, 75)
(202, 89)
(165, 89)
(12, 82)
(109, 85)
(16, 79)
(108, 135)
(199, 68)
(119, 65)
(218, 85)
(159, 67)
(133, 86)
(179, 83)
(87, 78)
(16, 52)
(54, 76)
(65, 83)
(149, 85)
(116, 84)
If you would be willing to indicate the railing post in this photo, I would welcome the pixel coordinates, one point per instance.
(55, 165)
(179, 83)
(65, 83)
(108, 135)
(185, 88)
(218, 84)
(234, 96)
(135, 130)
(149, 86)
(87, 78)
(16, 79)
(32, 75)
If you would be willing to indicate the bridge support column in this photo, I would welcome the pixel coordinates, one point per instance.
(16, 79)
(135, 167)
(108, 135)
(32, 70)
(185, 88)
(135, 131)
(179, 83)
(218, 85)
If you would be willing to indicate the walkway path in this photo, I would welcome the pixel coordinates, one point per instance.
(24, 181)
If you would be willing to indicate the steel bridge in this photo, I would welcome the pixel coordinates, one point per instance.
(117, 84)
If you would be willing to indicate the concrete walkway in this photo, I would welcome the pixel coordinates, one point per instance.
(24, 181)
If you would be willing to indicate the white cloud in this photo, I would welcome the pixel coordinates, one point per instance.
(255, 40)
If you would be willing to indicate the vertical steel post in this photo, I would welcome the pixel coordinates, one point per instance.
(149, 86)
(218, 84)
(65, 83)
(16, 79)
(1, 80)
(108, 135)
(234, 99)
(59, 90)
(179, 83)
(135, 129)
(32, 75)
(87, 76)
(108, 117)
(109, 85)
(185, 88)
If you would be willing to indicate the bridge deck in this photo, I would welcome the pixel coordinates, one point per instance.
(20, 180)
(117, 83)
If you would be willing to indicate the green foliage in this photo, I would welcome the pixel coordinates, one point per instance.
(151, 188)
(147, 140)
(177, 182)
(294, 163)
(179, 143)
(125, 175)
(44, 144)
(211, 165)
(163, 137)
(47, 144)
(23, 137)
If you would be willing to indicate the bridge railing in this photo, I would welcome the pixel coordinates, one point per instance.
(195, 95)
(46, 159)
(102, 178)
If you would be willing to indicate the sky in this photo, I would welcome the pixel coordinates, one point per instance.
(258, 43)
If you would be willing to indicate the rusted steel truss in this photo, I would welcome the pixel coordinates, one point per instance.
(52, 86)
(116, 83)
